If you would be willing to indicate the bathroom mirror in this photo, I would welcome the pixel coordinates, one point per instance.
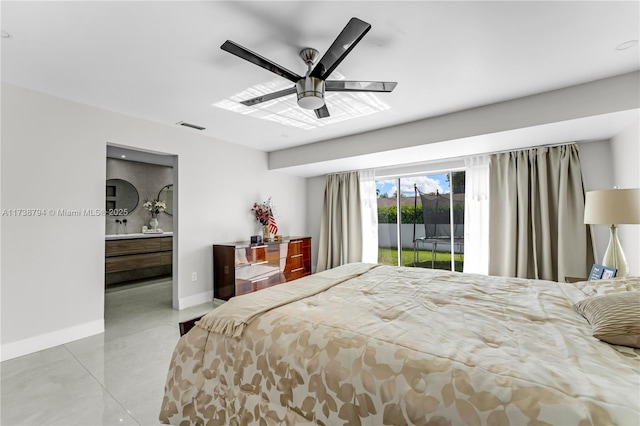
(166, 195)
(122, 197)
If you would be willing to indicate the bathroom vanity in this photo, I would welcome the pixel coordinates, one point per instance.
(136, 256)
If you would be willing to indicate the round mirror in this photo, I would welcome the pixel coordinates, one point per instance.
(166, 195)
(122, 197)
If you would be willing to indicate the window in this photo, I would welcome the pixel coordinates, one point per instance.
(424, 215)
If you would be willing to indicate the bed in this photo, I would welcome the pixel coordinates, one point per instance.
(374, 344)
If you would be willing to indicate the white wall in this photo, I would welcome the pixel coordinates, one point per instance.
(54, 157)
(596, 161)
(315, 203)
(625, 149)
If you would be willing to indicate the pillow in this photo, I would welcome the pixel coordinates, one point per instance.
(614, 318)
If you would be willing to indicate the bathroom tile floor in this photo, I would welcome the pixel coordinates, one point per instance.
(114, 378)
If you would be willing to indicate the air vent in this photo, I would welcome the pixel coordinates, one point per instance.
(193, 126)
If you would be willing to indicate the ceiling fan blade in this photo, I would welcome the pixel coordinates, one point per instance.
(322, 112)
(260, 61)
(269, 96)
(343, 44)
(359, 86)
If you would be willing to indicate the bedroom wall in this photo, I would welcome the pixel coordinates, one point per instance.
(315, 203)
(597, 173)
(625, 148)
(54, 157)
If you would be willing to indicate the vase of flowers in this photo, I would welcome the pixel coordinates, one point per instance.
(155, 207)
(264, 215)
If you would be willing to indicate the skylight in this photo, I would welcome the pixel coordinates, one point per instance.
(285, 110)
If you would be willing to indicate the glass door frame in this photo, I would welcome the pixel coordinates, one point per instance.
(398, 177)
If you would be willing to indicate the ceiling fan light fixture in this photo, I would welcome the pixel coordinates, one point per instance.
(310, 89)
(310, 93)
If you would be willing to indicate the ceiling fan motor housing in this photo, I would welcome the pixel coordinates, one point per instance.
(310, 92)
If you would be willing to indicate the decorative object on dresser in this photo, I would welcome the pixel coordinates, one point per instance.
(242, 267)
(601, 272)
(613, 207)
(265, 216)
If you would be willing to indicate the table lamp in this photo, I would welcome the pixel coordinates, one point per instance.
(613, 207)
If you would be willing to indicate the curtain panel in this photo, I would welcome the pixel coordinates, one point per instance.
(340, 239)
(476, 215)
(369, 199)
(536, 215)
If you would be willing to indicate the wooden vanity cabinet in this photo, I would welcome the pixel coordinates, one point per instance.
(240, 268)
(137, 253)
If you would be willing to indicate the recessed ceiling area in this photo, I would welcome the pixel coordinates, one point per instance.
(162, 61)
(285, 110)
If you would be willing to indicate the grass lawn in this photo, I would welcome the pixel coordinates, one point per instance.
(389, 256)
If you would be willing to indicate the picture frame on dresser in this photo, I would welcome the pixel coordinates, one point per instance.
(244, 267)
(601, 272)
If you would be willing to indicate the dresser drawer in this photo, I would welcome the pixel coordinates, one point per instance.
(137, 246)
(295, 274)
(244, 286)
(297, 247)
(138, 261)
(256, 272)
(295, 261)
(268, 281)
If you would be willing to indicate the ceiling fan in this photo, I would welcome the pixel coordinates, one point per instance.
(310, 88)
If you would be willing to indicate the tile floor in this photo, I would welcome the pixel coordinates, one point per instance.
(114, 378)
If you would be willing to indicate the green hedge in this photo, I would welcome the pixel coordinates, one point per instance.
(409, 214)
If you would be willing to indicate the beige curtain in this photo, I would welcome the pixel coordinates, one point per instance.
(341, 226)
(536, 212)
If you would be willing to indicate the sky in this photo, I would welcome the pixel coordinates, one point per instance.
(426, 184)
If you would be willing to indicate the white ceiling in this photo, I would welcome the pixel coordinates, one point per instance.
(162, 61)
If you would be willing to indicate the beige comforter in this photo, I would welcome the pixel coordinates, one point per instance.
(401, 346)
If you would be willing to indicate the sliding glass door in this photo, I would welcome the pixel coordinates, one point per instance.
(424, 217)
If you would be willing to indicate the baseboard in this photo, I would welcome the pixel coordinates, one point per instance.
(196, 299)
(49, 340)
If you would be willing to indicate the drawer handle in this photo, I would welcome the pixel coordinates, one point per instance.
(296, 242)
(296, 270)
(257, 247)
(261, 279)
(297, 255)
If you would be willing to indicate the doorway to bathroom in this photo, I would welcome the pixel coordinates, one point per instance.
(140, 224)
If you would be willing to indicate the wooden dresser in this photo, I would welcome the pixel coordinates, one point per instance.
(137, 253)
(240, 268)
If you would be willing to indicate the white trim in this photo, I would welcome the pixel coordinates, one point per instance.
(49, 340)
(196, 299)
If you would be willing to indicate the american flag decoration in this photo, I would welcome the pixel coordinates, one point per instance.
(264, 215)
(273, 227)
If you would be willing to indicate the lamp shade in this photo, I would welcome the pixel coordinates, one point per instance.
(612, 206)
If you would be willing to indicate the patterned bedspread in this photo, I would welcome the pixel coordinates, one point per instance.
(395, 346)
